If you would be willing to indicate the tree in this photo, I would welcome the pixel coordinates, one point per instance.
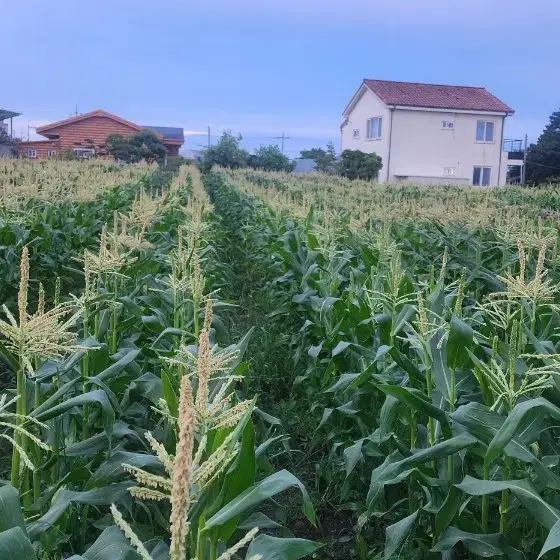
(144, 145)
(226, 153)
(270, 158)
(355, 164)
(324, 159)
(543, 158)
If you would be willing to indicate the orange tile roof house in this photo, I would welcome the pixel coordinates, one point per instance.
(430, 133)
(87, 134)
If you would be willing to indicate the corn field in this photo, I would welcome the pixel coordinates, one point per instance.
(128, 429)
(409, 345)
(263, 366)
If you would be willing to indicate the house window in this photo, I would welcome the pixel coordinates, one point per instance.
(84, 152)
(448, 125)
(52, 153)
(449, 171)
(485, 131)
(374, 128)
(481, 176)
(356, 133)
(31, 153)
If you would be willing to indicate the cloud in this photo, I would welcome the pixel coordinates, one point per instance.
(194, 132)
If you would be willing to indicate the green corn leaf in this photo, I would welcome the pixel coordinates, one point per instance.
(125, 356)
(484, 545)
(14, 545)
(387, 416)
(10, 509)
(259, 520)
(342, 382)
(522, 412)
(460, 340)
(552, 541)
(110, 545)
(441, 372)
(417, 400)
(98, 497)
(340, 347)
(240, 476)
(396, 534)
(169, 394)
(352, 455)
(275, 548)
(112, 470)
(97, 397)
(265, 489)
(447, 512)
(396, 468)
(524, 491)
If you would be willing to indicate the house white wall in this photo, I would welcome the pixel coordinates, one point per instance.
(420, 148)
(367, 106)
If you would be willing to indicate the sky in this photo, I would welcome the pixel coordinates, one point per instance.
(266, 67)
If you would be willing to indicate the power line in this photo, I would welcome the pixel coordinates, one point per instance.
(543, 165)
(284, 137)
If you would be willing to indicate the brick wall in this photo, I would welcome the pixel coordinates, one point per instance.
(41, 147)
(74, 135)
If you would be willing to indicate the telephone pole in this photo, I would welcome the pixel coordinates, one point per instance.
(208, 136)
(524, 168)
(283, 137)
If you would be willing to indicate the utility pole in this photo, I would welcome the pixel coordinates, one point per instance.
(283, 137)
(208, 136)
(524, 169)
(76, 110)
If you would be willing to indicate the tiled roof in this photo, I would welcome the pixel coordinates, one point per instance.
(436, 96)
(84, 116)
(5, 114)
(168, 132)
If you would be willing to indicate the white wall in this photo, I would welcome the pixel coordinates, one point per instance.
(420, 147)
(367, 107)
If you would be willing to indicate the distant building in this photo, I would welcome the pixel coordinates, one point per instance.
(428, 133)
(86, 135)
(192, 154)
(6, 132)
(305, 165)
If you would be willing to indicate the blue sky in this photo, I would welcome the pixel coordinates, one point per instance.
(260, 67)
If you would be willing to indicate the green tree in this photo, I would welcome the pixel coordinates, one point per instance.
(355, 164)
(144, 145)
(543, 158)
(226, 153)
(270, 158)
(324, 159)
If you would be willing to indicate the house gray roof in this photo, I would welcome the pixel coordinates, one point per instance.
(5, 114)
(168, 132)
(305, 165)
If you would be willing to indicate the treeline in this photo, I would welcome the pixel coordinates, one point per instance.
(227, 152)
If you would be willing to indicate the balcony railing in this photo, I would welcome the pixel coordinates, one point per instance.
(515, 149)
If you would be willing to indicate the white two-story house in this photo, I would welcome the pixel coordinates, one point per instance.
(428, 133)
